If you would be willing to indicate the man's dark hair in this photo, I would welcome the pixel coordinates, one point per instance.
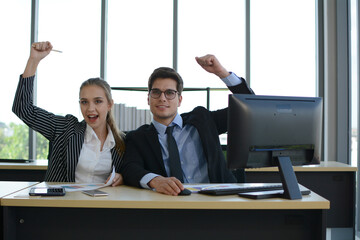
(166, 72)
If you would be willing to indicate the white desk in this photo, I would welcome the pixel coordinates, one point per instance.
(7, 188)
(132, 213)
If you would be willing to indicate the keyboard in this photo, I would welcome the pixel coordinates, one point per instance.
(241, 189)
(47, 191)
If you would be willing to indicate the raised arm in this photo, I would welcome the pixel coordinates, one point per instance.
(35, 117)
(38, 51)
(235, 84)
(212, 65)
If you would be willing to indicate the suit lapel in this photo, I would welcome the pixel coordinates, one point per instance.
(192, 120)
(153, 142)
(73, 150)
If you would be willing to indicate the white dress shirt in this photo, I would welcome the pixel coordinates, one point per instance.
(94, 166)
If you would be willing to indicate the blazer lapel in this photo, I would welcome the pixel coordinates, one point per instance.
(153, 141)
(75, 143)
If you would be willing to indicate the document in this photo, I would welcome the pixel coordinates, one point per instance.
(73, 187)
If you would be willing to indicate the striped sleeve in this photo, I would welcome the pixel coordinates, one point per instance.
(36, 118)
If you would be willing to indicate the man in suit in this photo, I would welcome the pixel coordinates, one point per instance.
(147, 163)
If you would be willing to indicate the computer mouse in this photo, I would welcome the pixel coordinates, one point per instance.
(185, 192)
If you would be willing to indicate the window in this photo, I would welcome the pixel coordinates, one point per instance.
(283, 47)
(208, 27)
(354, 82)
(139, 40)
(75, 31)
(14, 134)
(354, 76)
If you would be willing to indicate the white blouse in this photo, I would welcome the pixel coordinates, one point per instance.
(94, 166)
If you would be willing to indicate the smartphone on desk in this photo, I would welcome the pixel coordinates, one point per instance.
(95, 193)
(47, 191)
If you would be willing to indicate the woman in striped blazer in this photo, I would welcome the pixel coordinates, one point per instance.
(85, 151)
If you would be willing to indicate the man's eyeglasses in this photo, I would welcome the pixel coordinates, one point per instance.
(169, 93)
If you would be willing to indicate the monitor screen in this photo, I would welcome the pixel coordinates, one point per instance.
(263, 128)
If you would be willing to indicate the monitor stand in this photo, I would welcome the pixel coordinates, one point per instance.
(288, 179)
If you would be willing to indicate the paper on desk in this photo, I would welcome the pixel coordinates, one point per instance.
(86, 186)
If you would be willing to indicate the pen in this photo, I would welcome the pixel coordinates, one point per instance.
(54, 50)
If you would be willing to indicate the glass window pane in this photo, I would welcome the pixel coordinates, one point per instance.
(210, 27)
(139, 40)
(75, 31)
(354, 34)
(283, 47)
(14, 134)
(74, 28)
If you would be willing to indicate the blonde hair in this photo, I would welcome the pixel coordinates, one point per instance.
(110, 120)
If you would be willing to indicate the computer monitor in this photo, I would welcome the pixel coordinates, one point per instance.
(267, 131)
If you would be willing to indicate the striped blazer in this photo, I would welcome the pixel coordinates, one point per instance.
(65, 134)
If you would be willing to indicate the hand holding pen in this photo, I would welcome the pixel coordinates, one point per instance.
(38, 51)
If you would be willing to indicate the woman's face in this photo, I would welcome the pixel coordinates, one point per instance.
(94, 106)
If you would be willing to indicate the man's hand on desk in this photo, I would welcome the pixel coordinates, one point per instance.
(166, 185)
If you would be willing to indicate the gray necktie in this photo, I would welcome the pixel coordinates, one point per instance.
(174, 158)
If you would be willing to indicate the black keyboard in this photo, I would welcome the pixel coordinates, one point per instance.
(47, 191)
(241, 189)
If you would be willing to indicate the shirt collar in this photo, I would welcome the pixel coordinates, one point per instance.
(161, 128)
(90, 136)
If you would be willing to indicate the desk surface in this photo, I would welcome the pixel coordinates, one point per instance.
(9, 187)
(143, 214)
(322, 167)
(129, 197)
(35, 165)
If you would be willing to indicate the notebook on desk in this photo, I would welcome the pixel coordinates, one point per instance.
(252, 190)
(223, 189)
(271, 194)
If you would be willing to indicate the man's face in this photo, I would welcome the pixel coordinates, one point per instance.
(163, 109)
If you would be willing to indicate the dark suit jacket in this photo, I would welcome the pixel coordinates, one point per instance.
(143, 152)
